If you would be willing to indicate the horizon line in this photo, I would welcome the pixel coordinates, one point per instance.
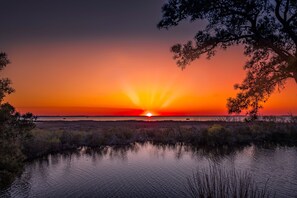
(280, 115)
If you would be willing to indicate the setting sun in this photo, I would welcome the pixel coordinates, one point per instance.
(149, 114)
(140, 93)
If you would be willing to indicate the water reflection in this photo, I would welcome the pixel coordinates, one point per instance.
(149, 170)
(115, 152)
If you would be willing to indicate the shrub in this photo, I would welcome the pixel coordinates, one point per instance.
(14, 130)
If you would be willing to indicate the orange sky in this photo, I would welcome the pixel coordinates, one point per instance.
(109, 58)
(127, 77)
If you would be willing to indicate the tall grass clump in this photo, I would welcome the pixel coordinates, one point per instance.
(220, 183)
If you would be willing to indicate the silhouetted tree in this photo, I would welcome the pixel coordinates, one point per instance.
(14, 130)
(266, 28)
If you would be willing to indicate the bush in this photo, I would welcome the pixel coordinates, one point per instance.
(215, 129)
(14, 130)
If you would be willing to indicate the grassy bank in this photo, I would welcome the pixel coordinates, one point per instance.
(50, 137)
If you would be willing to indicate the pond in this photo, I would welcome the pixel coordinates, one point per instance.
(147, 170)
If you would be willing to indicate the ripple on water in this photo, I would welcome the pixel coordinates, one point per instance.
(146, 170)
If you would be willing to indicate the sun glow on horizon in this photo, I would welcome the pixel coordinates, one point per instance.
(126, 81)
(149, 114)
(153, 91)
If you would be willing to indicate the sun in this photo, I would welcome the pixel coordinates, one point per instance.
(149, 114)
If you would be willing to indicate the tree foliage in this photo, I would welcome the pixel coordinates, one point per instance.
(14, 130)
(266, 28)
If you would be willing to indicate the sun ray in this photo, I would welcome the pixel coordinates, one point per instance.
(149, 95)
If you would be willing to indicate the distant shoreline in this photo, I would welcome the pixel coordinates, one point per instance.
(239, 118)
(146, 116)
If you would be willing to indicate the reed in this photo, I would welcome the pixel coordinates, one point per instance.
(217, 182)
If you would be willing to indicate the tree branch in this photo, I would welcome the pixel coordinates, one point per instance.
(286, 10)
(285, 24)
(292, 18)
(277, 11)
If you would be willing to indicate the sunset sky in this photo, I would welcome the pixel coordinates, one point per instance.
(96, 57)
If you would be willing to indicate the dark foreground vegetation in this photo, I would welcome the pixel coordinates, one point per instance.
(14, 130)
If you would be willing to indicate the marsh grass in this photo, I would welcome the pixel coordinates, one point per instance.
(217, 182)
(216, 135)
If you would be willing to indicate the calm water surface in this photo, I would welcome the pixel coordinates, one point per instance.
(146, 170)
